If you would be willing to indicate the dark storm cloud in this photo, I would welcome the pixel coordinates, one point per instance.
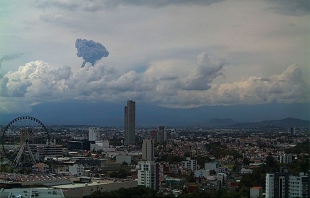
(161, 3)
(90, 51)
(8, 57)
(291, 7)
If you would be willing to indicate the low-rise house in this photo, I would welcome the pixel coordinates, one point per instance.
(246, 171)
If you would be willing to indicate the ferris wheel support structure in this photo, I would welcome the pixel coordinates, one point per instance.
(24, 141)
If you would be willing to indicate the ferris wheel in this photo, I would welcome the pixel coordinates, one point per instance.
(25, 141)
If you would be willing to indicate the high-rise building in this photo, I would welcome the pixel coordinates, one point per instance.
(293, 132)
(93, 134)
(130, 123)
(148, 174)
(281, 185)
(148, 149)
(161, 134)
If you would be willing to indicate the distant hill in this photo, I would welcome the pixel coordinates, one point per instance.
(283, 123)
(217, 122)
(108, 114)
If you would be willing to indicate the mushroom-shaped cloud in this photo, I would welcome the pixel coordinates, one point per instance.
(90, 51)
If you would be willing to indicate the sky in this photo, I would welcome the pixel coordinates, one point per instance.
(179, 55)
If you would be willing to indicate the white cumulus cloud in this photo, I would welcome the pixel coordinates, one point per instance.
(37, 82)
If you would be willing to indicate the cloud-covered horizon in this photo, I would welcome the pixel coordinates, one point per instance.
(38, 82)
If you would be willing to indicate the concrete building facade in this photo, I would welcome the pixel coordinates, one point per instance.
(148, 174)
(282, 185)
(161, 134)
(148, 149)
(190, 164)
(124, 158)
(76, 170)
(93, 134)
(256, 191)
(286, 158)
(211, 166)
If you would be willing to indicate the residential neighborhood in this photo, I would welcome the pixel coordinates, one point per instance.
(172, 161)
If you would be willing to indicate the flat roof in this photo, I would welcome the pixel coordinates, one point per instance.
(32, 192)
(80, 185)
(56, 183)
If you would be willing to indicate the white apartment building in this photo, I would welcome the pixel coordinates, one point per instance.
(285, 159)
(299, 185)
(284, 185)
(190, 164)
(211, 166)
(93, 134)
(202, 173)
(148, 174)
(76, 170)
(256, 191)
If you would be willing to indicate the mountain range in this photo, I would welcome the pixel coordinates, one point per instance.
(109, 114)
(283, 123)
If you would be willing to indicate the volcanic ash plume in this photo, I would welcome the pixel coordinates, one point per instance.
(90, 51)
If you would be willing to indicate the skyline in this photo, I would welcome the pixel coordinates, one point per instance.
(112, 114)
(178, 56)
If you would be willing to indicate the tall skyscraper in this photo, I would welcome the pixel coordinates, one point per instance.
(130, 123)
(148, 149)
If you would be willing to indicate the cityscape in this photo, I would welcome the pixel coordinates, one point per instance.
(217, 161)
(169, 98)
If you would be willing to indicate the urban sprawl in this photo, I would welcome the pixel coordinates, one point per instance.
(163, 161)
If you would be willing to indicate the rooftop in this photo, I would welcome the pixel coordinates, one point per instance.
(31, 192)
(80, 185)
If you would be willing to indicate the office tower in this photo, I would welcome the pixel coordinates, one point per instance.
(161, 134)
(93, 134)
(281, 185)
(148, 149)
(148, 174)
(130, 123)
(293, 132)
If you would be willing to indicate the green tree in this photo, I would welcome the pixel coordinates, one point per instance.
(246, 161)
(272, 164)
(122, 174)
(113, 174)
(201, 160)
